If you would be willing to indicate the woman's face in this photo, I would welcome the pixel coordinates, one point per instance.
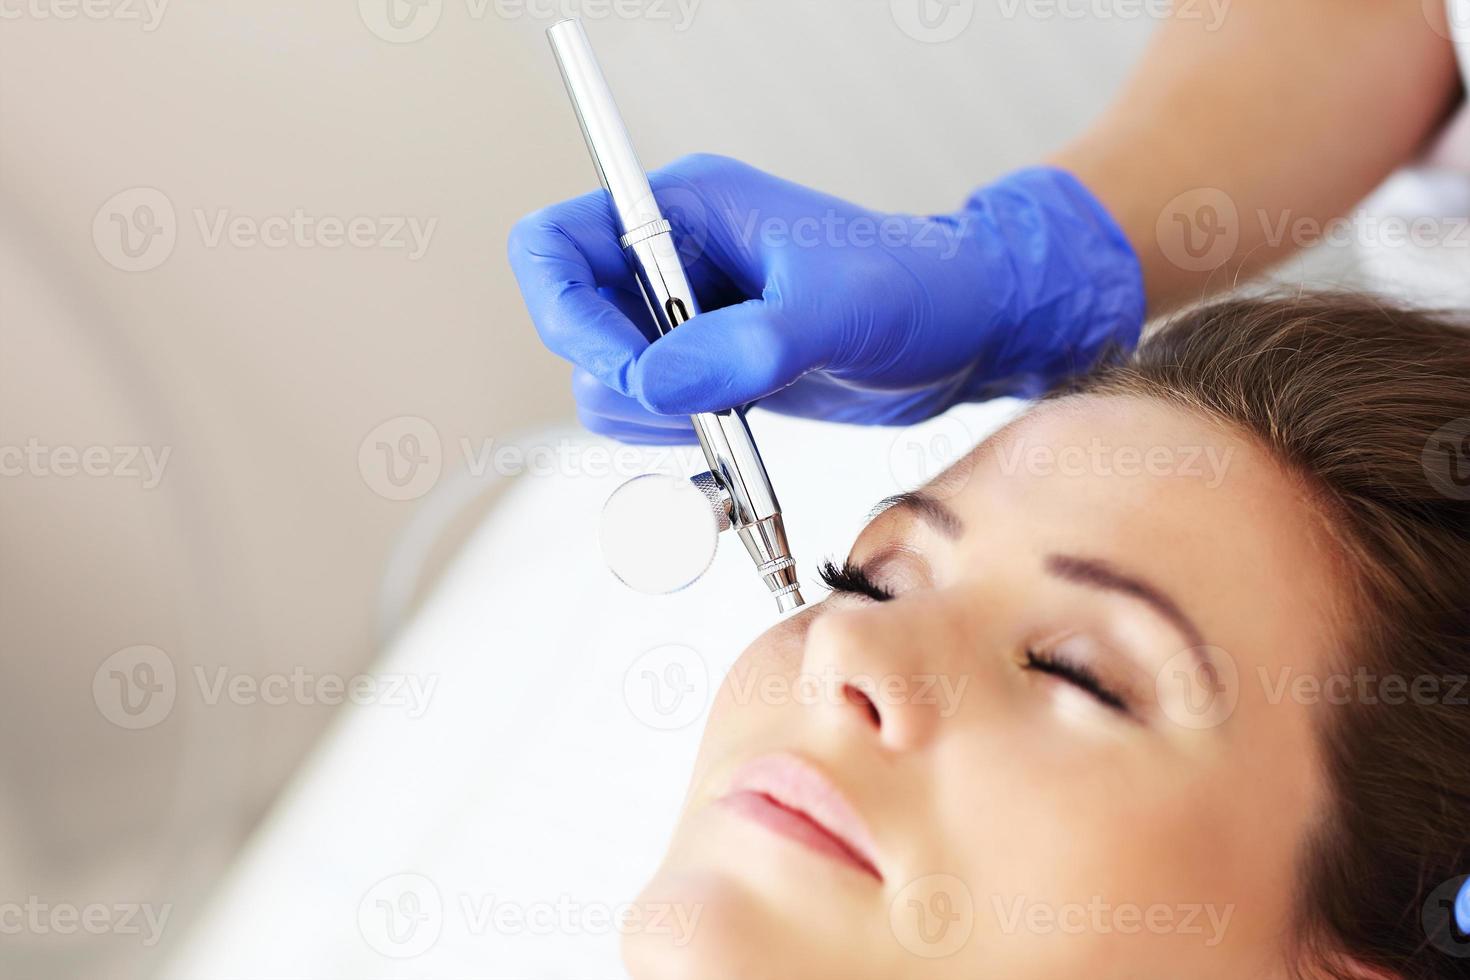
(1066, 746)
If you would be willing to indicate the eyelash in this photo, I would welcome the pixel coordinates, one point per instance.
(851, 579)
(1076, 674)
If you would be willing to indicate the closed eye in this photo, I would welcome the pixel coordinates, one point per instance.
(1078, 675)
(850, 579)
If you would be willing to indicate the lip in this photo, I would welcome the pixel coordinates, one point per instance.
(792, 798)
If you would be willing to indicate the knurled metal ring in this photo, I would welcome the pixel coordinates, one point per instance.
(776, 565)
(719, 500)
(645, 232)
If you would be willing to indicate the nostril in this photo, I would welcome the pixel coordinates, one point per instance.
(858, 698)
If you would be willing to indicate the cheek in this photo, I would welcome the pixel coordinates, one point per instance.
(1039, 835)
(754, 698)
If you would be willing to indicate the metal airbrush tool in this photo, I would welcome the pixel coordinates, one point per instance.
(736, 485)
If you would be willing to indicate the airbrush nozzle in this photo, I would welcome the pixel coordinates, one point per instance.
(766, 542)
(745, 499)
(765, 538)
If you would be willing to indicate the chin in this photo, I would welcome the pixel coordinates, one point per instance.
(726, 941)
(753, 906)
(739, 932)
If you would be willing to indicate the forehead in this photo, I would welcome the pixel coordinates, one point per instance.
(1137, 458)
(1186, 500)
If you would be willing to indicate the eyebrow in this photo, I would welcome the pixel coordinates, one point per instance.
(933, 512)
(1101, 575)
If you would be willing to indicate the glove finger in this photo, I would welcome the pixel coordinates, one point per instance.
(633, 433)
(560, 256)
(595, 398)
(821, 397)
(723, 359)
(633, 306)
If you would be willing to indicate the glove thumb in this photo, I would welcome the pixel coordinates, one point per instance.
(723, 359)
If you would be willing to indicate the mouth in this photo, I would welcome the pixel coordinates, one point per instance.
(792, 799)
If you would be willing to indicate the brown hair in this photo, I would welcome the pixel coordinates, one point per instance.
(1370, 404)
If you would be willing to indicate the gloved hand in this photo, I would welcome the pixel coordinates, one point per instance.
(820, 308)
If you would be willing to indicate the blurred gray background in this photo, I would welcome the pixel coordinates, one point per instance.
(158, 299)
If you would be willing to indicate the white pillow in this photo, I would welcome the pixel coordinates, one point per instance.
(491, 815)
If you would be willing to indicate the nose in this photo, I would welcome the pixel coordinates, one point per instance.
(879, 675)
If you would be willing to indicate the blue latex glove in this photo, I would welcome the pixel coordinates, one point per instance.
(820, 308)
